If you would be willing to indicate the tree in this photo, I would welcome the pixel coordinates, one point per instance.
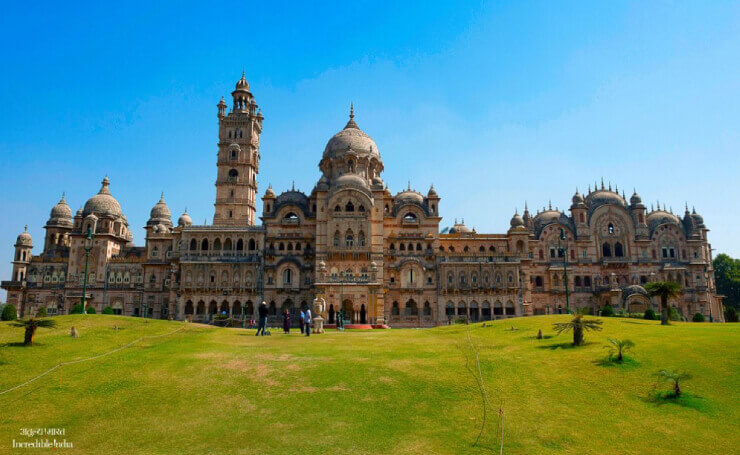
(664, 290)
(730, 314)
(727, 279)
(31, 324)
(578, 325)
(675, 378)
(619, 347)
(698, 317)
(9, 313)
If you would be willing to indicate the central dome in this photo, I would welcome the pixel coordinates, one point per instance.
(102, 203)
(351, 138)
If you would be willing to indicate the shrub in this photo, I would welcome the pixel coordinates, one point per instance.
(91, 310)
(607, 310)
(9, 313)
(77, 309)
(698, 317)
(650, 314)
(41, 313)
(108, 310)
(731, 314)
(674, 315)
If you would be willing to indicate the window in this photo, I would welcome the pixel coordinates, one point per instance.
(538, 281)
(233, 154)
(349, 241)
(606, 250)
(155, 252)
(350, 207)
(361, 239)
(618, 250)
(336, 239)
(193, 245)
(204, 245)
(291, 217)
(287, 276)
(610, 228)
(409, 217)
(361, 209)
(233, 175)
(337, 209)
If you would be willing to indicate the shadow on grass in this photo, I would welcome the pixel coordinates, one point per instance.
(612, 362)
(544, 337)
(19, 345)
(686, 400)
(568, 345)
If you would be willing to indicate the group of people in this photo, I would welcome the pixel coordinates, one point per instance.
(305, 320)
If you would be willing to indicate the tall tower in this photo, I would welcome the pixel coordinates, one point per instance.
(238, 158)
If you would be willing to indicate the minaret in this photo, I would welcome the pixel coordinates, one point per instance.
(238, 158)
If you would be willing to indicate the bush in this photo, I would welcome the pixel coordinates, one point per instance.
(731, 314)
(607, 310)
(9, 313)
(41, 313)
(91, 310)
(77, 309)
(698, 317)
(673, 314)
(650, 315)
(108, 310)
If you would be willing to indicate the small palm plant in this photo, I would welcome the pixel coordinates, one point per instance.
(31, 324)
(665, 290)
(675, 378)
(578, 325)
(619, 347)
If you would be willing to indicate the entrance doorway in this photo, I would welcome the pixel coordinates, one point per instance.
(349, 312)
(363, 314)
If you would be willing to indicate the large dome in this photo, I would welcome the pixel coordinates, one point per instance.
(160, 213)
(604, 197)
(102, 203)
(351, 138)
(659, 217)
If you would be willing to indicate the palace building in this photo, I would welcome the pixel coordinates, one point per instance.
(379, 256)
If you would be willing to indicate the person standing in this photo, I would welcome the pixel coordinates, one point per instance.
(308, 322)
(302, 320)
(286, 322)
(263, 319)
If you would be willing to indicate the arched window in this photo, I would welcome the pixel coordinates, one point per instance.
(290, 246)
(542, 254)
(298, 246)
(227, 245)
(217, 244)
(291, 217)
(492, 249)
(337, 209)
(252, 245)
(336, 239)
(610, 228)
(538, 281)
(361, 209)
(287, 276)
(582, 218)
(233, 175)
(466, 249)
(606, 250)
(618, 250)
(361, 239)
(577, 282)
(233, 154)
(418, 247)
(350, 166)
(395, 311)
(409, 217)
(587, 281)
(281, 246)
(350, 207)
(204, 245)
(402, 247)
(349, 239)
(193, 245)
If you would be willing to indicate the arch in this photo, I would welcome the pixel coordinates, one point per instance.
(498, 308)
(212, 307)
(224, 307)
(510, 310)
(349, 207)
(411, 308)
(217, 244)
(427, 309)
(240, 245)
(201, 308)
(193, 245)
(189, 307)
(486, 311)
(233, 175)
(618, 250)
(606, 250)
(204, 245)
(450, 309)
(462, 309)
(538, 281)
(251, 245)
(395, 310)
(236, 309)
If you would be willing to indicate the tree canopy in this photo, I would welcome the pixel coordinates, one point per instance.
(727, 277)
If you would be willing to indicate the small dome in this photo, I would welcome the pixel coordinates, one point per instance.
(409, 196)
(577, 198)
(351, 181)
(698, 219)
(351, 138)
(659, 217)
(459, 228)
(269, 193)
(79, 212)
(242, 84)
(635, 199)
(184, 220)
(61, 214)
(103, 203)
(160, 213)
(604, 197)
(633, 289)
(432, 192)
(517, 220)
(24, 238)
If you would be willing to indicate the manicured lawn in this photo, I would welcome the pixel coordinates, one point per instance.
(207, 390)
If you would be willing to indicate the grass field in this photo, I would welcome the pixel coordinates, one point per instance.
(208, 390)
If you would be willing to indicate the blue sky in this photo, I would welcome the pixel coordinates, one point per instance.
(493, 102)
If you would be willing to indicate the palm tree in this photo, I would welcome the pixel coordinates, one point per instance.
(674, 377)
(619, 347)
(665, 290)
(31, 324)
(578, 325)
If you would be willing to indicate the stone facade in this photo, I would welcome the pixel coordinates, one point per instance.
(380, 257)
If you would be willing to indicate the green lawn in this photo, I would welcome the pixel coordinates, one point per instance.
(383, 391)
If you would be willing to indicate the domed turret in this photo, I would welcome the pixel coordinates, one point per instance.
(160, 214)
(351, 139)
(61, 215)
(242, 84)
(103, 203)
(269, 193)
(409, 196)
(24, 238)
(577, 199)
(432, 193)
(698, 219)
(635, 199)
(185, 219)
(459, 228)
(517, 220)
